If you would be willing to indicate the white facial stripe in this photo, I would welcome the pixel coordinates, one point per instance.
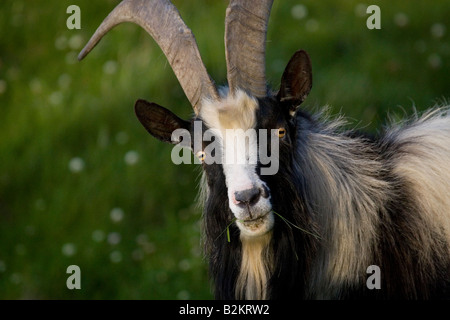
(240, 147)
(233, 120)
(239, 177)
(240, 157)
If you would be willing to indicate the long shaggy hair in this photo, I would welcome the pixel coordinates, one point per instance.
(358, 200)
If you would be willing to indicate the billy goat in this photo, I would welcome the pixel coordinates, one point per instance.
(340, 200)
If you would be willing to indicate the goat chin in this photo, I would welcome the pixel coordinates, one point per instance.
(256, 227)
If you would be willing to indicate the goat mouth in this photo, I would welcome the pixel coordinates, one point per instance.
(256, 220)
(256, 226)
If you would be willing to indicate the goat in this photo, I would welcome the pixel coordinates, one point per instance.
(354, 200)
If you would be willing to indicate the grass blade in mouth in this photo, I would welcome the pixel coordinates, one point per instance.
(227, 229)
(289, 224)
(295, 226)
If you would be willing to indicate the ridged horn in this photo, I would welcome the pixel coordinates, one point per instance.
(245, 43)
(163, 22)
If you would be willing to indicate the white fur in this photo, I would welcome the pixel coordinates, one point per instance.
(347, 196)
(423, 159)
(233, 119)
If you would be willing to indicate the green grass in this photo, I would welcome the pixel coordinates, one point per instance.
(55, 109)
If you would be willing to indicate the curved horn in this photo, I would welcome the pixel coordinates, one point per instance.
(163, 22)
(245, 41)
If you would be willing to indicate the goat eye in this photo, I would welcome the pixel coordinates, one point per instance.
(201, 155)
(281, 132)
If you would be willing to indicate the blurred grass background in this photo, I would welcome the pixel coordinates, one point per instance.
(81, 182)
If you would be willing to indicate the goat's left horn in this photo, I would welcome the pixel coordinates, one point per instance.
(245, 42)
(163, 22)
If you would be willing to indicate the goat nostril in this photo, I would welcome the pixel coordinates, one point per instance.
(265, 192)
(255, 197)
(248, 197)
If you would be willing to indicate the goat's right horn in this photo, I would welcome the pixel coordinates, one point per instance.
(163, 22)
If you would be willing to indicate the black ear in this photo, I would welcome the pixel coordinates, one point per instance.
(159, 121)
(296, 81)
